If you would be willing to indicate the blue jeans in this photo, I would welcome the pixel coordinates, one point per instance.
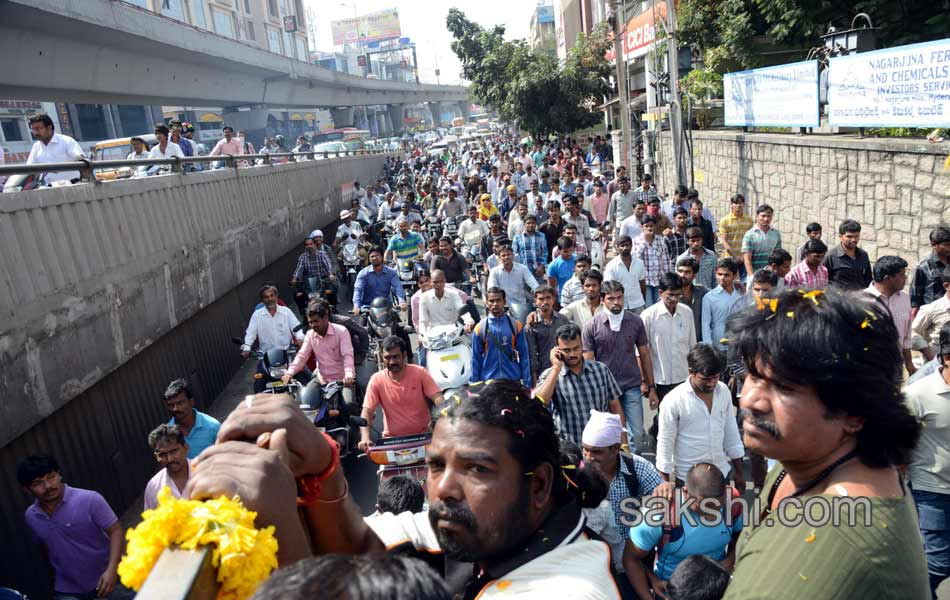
(632, 403)
(934, 516)
(422, 355)
(652, 295)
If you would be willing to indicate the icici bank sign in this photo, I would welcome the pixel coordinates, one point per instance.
(641, 32)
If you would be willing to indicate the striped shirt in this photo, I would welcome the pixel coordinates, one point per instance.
(732, 229)
(760, 244)
(803, 277)
(576, 395)
(406, 248)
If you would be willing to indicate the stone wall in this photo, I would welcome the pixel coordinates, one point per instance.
(897, 189)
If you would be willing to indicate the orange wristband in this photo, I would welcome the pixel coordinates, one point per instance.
(308, 486)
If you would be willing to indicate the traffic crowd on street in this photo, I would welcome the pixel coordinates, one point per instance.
(573, 346)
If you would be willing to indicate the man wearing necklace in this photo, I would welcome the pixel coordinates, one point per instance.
(823, 398)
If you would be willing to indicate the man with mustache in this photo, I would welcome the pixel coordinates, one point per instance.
(171, 451)
(504, 503)
(697, 422)
(823, 398)
(80, 534)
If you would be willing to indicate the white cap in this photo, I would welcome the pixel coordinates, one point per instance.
(315, 234)
(602, 430)
(344, 214)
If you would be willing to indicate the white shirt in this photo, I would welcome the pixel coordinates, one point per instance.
(435, 311)
(527, 179)
(515, 225)
(172, 149)
(631, 226)
(670, 337)
(629, 278)
(512, 282)
(469, 226)
(690, 434)
(60, 149)
(272, 331)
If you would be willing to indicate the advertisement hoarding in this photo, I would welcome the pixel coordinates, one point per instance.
(382, 25)
(780, 96)
(907, 86)
(640, 33)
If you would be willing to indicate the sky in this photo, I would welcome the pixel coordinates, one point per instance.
(423, 21)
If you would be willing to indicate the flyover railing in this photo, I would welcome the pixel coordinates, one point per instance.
(87, 167)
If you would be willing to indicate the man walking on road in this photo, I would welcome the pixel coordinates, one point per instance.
(614, 338)
(499, 346)
(849, 266)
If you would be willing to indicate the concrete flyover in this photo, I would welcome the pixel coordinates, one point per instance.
(108, 51)
(92, 274)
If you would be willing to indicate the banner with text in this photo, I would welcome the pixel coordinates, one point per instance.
(781, 96)
(640, 33)
(907, 86)
(372, 27)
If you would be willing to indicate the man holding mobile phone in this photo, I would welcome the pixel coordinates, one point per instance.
(574, 385)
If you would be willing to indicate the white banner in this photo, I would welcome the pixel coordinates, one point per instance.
(780, 96)
(907, 86)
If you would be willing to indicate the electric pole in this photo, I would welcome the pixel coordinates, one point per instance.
(676, 112)
(620, 26)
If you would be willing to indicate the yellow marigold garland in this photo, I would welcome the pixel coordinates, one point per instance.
(243, 555)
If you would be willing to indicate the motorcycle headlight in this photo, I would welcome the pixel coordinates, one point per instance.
(278, 372)
(313, 295)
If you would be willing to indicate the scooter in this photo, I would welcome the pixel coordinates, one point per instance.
(328, 408)
(448, 357)
(403, 455)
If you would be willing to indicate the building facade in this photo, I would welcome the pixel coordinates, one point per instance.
(541, 34)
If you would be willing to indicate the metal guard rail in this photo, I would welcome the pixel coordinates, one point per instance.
(87, 167)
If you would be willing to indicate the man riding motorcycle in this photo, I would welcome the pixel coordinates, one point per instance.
(273, 327)
(379, 281)
(312, 263)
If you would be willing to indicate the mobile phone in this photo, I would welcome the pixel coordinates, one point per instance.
(560, 355)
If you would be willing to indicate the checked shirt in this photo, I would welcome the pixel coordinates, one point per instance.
(576, 395)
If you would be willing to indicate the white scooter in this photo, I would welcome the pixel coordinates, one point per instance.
(448, 357)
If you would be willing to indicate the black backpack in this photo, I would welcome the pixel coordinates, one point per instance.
(359, 337)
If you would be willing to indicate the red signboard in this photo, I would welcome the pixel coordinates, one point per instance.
(640, 32)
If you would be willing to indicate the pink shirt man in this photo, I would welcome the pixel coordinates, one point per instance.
(224, 147)
(155, 485)
(334, 354)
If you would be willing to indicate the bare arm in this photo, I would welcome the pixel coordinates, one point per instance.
(747, 260)
(616, 408)
(636, 571)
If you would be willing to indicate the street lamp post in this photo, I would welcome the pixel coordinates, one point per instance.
(620, 25)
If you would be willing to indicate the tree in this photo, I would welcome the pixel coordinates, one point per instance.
(530, 86)
(730, 33)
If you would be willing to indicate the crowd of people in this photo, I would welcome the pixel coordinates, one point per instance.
(662, 350)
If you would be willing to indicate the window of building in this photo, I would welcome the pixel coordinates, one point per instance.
(301, 48)
(173, 9)
(198, 14)
(289, 44)
(12, 132)
(247, 6)
(223, 22)
(249, 30)
(273, 40)
(272, 8)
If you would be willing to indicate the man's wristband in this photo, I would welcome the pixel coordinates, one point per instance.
(309, 486)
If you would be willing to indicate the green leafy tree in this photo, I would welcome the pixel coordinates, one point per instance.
(531, 86)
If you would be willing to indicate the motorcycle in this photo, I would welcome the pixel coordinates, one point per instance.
(448, 357)
(352, 261)
(432, 225)
(408, 271)
(275, 362)
(472, 251)
(328, 407)
(381, 319)
(314, 288)
(402, 455)
(451, 228)
(520, 311)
